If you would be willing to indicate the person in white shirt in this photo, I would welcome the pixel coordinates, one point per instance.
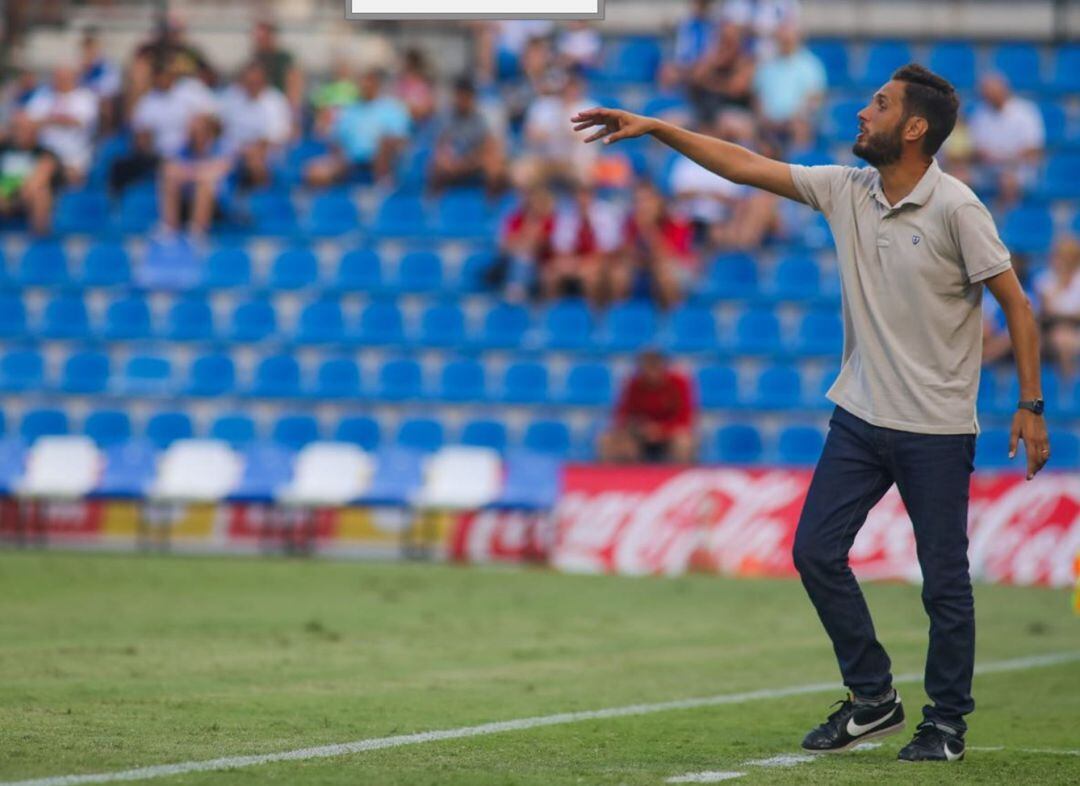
(258, 122)
(66, 115)
(553, 150)
(587, 232)
(761, 19)
(1059, 292)
(579, 45)
(1008, 136)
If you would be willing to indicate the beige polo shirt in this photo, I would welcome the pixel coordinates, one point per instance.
(912, 299)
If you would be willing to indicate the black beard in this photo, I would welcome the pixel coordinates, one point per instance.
(880, 149)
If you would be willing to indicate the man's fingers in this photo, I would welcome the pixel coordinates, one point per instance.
(603, 132)
(1032, 459)
(1014, 438)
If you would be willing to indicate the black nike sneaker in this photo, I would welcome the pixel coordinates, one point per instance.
(932, 743)
(855, 723)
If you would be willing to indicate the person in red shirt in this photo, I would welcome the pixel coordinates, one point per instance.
(654, 419)
(525, 244)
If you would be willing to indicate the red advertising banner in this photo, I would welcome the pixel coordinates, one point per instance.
(661, 521)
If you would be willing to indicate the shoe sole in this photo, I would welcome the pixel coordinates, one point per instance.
(888, 731)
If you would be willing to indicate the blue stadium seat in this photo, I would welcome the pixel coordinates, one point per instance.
(588, 384)
(267, 467)
(568, 325)
(65, 317)
(1067, 69)
(1066, 451)
(420, 272)
(731, 276)
(337, 378)
(474, 270)
(277, 376)
(43, 423)
(463, 381)
(381, 324)
(44, 264)
(738, 444)
(796, 278)
(227, 268)
(954, 60)
(442, 325)
(253, 321)
(533, 482)
(757, 332)
(298, 157)
(505, 326)
(401, 380)
(146, 375)
(165, 428)
(422, 434)
(237, 430)
(359, 270)
(718, 387)
(1028, 229)
(691, 329)
(778, 388)
(211, 375)
(465, 213)
(800, 445)
(549, 437)
(364, 432)
(988, 391)
(841, 119)
(399, 474)
(295, 431)
(1056, 123)
(12, 315)
(819, 400)
(321, 322)
(294, 268)
(1062, 176)
(190, 319)
(629, 327)
(485, 434)
(525, 383)
(1020, 63)
(129, 470)
(632, 60)
(85, 373)
(882, 58)
(127, 319)
(401, 214)
(820, 333)
(81, 212)
(138, 211)
(106, 265)
(833, 54)
(272, 213)
(992, 451)
(169, 262)
(332, 214)
(107, 427)
(22, 370)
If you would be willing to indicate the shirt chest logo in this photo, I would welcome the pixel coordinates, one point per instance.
(916, 239)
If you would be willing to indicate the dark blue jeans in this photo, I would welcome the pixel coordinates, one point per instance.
(859, 464)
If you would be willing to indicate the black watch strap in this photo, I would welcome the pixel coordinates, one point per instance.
(1036, 405)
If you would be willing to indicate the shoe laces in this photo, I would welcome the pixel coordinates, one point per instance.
(927, 732)
(844, 705)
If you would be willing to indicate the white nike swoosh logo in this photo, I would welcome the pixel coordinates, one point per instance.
(950, 756)
(857, 730)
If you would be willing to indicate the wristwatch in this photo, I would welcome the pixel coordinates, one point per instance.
(1036, 405)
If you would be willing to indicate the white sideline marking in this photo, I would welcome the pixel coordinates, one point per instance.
(520, 724)
(1043, 751)
(706, 777)
(782, 760)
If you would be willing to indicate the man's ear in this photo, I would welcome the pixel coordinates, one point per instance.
(916, 129)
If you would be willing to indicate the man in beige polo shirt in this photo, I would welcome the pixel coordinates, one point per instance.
(916, 248)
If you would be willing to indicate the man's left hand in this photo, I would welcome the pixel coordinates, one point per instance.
(1030, 428)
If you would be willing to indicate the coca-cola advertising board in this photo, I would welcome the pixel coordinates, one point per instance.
(663, 521)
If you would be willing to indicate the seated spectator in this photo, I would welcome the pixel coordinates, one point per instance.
(654, 418)
(29, 176)
(789, 88)
(160, 122)
(367, 137)
(586, 236)
(169, 44)
(328, 99)
(100, 76)
(760, 19)
(66, 115)
(657, 257)
(538, 70)
(277, 63)
(695, 37)
(553, 150)
(525, 245)
(416, 87)
(723, 79)
(1059, 294)
(17, 93)
(1008, 136)
(704, 198)
(258, 123)
(193, 184)
(466, 152)
(501, 45)
(579, 46)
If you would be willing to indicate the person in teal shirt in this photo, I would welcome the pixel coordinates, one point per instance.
(788, 89)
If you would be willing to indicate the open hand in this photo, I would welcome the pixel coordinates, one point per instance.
(613, 124)
(1030, 428)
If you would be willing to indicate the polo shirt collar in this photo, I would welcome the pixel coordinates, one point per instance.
(919, 195)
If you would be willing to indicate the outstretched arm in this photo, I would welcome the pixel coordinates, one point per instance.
(728, 160)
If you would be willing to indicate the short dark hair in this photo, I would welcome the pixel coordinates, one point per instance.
(931, 97)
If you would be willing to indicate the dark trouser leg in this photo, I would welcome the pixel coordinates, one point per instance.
(933, 473)
(849, 480)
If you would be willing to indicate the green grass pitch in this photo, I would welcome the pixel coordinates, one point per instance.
(114, 662)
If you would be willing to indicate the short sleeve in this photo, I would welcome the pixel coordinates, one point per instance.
(818, 185)
(981, 250)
